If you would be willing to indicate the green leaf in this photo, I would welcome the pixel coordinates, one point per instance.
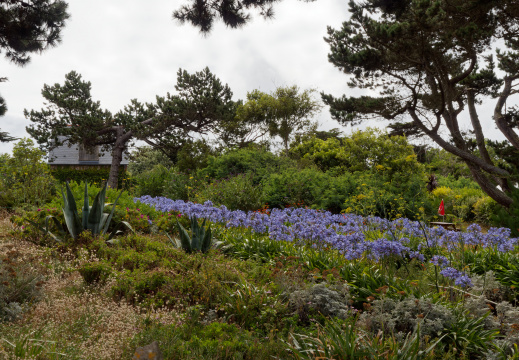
(46, 231)
(105, 229)
(175, 241)
(185, 240)
(120, 225)
(96, 212)
(206, 242)
(70, 213)
(86, 208)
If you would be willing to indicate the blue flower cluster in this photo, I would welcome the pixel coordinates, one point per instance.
(352, 235)
(460, 278)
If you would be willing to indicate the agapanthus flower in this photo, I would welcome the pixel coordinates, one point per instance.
(439, 260)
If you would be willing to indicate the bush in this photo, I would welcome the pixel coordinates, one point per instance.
(96, 272)
(91, 175)
(483, 209)
(26, 179)
(459, 202)
(152, 182)
(236, 193)
(402, 317)
(294, 187)
(389, 198)
(258, 163)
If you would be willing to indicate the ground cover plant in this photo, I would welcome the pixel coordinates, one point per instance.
(283, 283)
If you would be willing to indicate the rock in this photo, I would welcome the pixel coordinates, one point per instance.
(148, 352)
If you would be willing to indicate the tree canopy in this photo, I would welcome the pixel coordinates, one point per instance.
(428, 63)
(234, 13)
(28, 26)
(72, 117)
(281, 113)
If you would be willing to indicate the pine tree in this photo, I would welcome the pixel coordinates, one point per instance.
(428, 63)
(71, 116)
(27, 27)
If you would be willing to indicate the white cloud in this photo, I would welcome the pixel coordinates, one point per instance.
(133, 49)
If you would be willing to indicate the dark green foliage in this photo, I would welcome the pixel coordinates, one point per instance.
(236, 193)
(257, 162)
(90, 175)
(233, 13)
(307, 187)
(509, 218)
(31, 26)
(153, 181)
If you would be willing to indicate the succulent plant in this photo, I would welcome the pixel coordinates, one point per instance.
(200, 239)
(93, 217)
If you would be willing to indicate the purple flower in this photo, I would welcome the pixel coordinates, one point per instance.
(460, 278)
(439, 260)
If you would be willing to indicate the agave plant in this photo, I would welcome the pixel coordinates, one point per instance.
(93, 217)
(200, 239)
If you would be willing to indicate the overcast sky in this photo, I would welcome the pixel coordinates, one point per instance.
(133, 49)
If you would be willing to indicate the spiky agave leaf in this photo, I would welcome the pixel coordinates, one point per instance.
(185, 240)
(206, 242)
(96, 211)
(86, 208)
(70, 213)
(120, 224)
(106, 222)
(176, 242)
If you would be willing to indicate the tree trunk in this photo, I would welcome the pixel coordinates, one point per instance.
(117, 156)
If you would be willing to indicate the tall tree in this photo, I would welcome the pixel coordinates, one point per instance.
(280, 113)
(429, 64)
(28, 26)
(71, 116)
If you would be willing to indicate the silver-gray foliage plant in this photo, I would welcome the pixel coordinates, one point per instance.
(326, 299)
(402, 317)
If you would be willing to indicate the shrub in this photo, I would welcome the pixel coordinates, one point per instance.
(483, 209)
(25, 179)
(95, 272)
(459, 202)
(389, 197)
(236, 193)
(152, 182)
(403, 317)
(294, 187)
(324, 299)
(258, 163)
